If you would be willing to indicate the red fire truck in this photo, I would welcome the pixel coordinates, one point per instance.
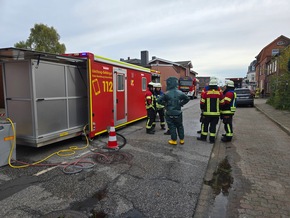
(53, 97)
(189, 86)
(116, 92)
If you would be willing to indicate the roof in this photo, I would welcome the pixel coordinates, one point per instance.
(12, 54)
(267, 50)
(133, 61)
(185, 63)
(165, 61)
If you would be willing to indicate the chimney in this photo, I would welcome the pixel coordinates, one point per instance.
(144, 58)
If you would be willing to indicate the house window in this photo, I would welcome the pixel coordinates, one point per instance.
(253, 78)
(275, 66)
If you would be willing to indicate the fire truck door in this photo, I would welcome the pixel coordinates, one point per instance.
(120, 95)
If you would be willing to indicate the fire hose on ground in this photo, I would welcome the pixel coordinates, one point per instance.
(68, 167)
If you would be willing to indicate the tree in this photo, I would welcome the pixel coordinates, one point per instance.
(280, 84)
(43, 38)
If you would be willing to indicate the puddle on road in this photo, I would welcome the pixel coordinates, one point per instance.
(90, 203)
(221, 184)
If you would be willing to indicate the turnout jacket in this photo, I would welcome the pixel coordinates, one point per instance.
(149, 99)
(211, 101)
(229, 106)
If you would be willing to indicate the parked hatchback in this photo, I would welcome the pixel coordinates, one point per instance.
(244, 97)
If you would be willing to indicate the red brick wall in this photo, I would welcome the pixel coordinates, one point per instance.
(263, 57)
(168, 71)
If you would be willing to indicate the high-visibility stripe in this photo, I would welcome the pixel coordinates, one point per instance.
(229, 132)
(211, 113)
(227, 112)
(119, 63)
(202, 130)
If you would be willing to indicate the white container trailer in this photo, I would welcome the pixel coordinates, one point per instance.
(45, 95)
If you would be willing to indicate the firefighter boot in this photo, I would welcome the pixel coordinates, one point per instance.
(172, 142)
(149, 131)
(226, 139)
(167, 132)
(211, 139)
(181, 141)
(201, 138)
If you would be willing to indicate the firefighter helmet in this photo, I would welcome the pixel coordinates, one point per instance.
(213, 82)
(230, 83)
(157, 85)
(151, 84)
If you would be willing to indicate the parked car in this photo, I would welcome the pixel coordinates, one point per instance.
(244, 97)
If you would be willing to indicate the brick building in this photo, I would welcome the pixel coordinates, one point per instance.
(165, 67)
(264, 61)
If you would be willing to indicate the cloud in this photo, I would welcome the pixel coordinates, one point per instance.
(219, 37)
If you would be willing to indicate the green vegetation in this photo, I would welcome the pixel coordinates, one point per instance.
(280, 84)
(42, 38)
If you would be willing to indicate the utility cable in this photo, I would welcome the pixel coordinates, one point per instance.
(62, 153)
(77, 165)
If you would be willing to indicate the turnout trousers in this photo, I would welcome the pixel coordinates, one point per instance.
(228, 126)
(209, 124)
(160, 112)
(175, 126)
(151, 114)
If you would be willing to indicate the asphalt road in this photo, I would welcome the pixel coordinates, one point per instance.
(147, 178)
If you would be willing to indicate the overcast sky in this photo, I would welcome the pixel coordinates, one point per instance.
(220, 37)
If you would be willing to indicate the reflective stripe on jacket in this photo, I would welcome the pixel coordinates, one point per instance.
(211, 102)
(149, 100)
(229, 106)
(158, 106)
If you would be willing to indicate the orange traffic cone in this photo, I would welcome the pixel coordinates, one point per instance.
(112, 143)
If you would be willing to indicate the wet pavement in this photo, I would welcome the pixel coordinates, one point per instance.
(248, 177)
(259, 156)
(148, 178)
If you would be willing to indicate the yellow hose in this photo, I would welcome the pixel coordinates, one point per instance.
(62, 153)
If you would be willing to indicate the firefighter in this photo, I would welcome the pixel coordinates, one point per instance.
(174, 99)
(210, 104)
(149, 103)
(202, 92)
(159, 107)
(228, 110)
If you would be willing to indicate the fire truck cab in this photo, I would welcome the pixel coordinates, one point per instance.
(189, 86)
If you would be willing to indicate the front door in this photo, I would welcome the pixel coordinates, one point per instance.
(120, 95)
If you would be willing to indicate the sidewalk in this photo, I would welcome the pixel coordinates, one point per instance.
(259, 167)
(281, 118)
